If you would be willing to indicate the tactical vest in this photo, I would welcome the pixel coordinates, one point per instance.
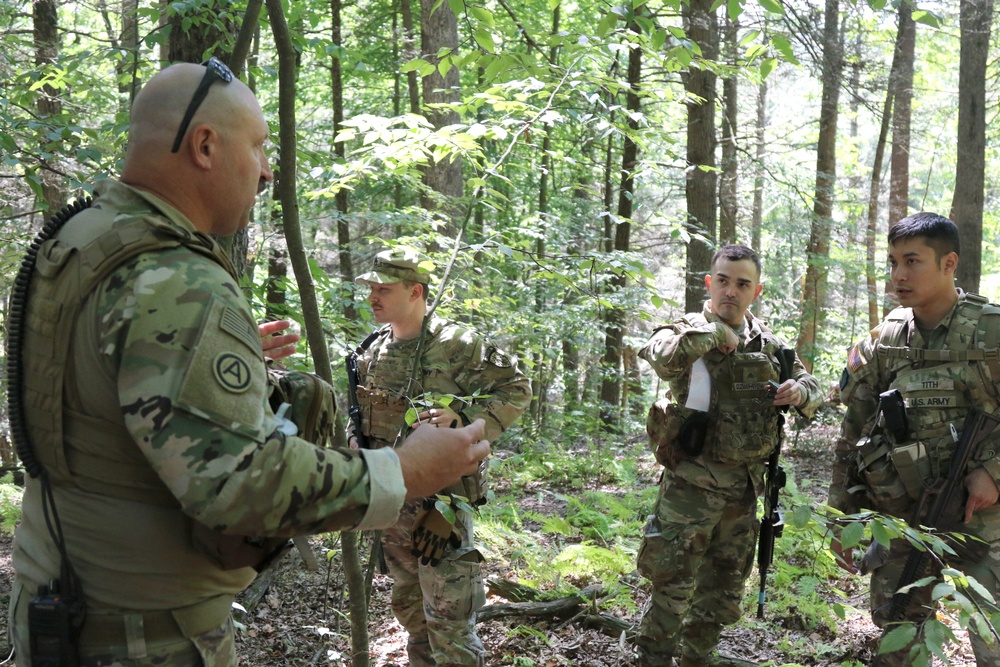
(744, 428)
(386, 370)
(939, 386)
(96, 455)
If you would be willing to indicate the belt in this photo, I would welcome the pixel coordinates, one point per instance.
(132, 628)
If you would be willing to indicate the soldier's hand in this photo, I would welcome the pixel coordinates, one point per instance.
(844, 557)
(433, 459)
(732, 340)
(982, 490)
(439, 417)
(433, 537)
(277, 347)
(791, 392)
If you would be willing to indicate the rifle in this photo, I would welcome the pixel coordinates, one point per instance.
(772, 522)
(946, 498)
(354, 406)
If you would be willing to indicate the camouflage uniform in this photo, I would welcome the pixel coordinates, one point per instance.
(941, 373)
(437, 604)
(169, 452)
(698, 547)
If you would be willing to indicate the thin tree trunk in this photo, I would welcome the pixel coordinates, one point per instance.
(700, 187)
(410, 52)
(759, 172)
(614, 337)
(818, 250)
(287, 58)
(729, 183)
(340, 151)
(967, 203)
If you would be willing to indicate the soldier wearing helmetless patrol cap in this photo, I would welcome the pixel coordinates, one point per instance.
(460, 377)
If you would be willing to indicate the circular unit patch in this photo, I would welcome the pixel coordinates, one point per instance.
(232, 372)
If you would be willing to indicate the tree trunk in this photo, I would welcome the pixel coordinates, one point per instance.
(700, 187)
(340, 151)
(49, 101)
(614, 318)
(287, 58)
(758, 170)
(439, 30)
(409, 53)
(967, 204)
(901, 80)
(729, 183)
(818, 250)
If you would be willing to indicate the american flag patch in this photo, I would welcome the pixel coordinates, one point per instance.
(854, 358)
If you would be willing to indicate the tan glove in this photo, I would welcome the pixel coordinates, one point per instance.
(433, 537)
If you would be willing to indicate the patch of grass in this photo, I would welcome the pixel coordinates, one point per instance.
(10, 504)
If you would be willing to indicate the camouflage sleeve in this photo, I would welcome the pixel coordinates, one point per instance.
(814, 393)
(192, 388)
(673, 349)
(858, 391)
(495, 376)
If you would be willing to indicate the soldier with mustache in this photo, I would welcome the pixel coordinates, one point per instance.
(713, 436)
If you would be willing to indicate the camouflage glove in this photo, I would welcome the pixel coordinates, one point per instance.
(433, 537)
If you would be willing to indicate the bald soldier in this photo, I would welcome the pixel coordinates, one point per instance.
(167, 471)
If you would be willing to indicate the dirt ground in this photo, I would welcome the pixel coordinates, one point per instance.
(300, 622)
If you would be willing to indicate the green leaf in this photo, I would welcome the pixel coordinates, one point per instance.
(927, 18)
(482, 14)
(784, 48)
(411, 416)
(767, 66)
(897, 639)
(880, 533)
(852, 534)
(606, 24)
(734, 8)
(773, 6)
(751, 36)
(446, 511)
(658, 39)
(840, 610)
(484, 39)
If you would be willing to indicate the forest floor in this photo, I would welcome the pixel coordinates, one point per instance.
(299, 621)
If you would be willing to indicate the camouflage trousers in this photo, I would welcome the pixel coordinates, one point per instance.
(697, 552)
(884, 581)
(436, 605)
(150, 642)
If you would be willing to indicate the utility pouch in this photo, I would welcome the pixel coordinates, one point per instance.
(693, 432)
(893, 410)
(885, 487)
(913, 466)
(663, 426)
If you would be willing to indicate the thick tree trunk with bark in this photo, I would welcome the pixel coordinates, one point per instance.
(49, 101)
(818, 251)
(439, 30)
(700, 187)
(901, 81)
(967, 204)
(729, 183)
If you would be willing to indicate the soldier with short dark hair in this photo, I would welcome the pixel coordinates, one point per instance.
(713, 437)
(144, 402)
(939, 350)
(460, 376)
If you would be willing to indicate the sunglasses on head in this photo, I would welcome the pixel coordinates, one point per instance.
(215, 70)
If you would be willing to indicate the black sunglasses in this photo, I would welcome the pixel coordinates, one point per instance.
(215, 70)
